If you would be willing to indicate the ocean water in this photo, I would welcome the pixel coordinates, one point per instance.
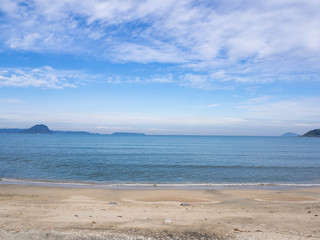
(161, 160)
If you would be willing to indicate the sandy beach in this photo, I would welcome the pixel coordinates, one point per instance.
(39, 212)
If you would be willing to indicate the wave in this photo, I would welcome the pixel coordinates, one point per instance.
(128, 185)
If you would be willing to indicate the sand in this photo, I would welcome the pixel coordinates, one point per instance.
(39, 212)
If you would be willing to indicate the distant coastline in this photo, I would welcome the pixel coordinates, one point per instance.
(127, 134)
(43, 129)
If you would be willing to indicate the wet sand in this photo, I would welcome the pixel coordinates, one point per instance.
(39, 212)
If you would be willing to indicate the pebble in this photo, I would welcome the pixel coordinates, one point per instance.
(184, 204)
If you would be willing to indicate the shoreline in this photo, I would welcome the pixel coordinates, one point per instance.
(50, 212)
(158, 186)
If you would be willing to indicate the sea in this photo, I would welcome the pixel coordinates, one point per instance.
(135, 162)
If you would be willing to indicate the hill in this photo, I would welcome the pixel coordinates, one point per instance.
(38, 129)
(290, 134)
(312, 133)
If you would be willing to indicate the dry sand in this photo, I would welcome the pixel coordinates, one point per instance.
(34, 212)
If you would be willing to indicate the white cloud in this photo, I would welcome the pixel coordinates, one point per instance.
(299, 111)
(133, 52)
(196, 81)
(44, 77)
(212, 105)
(257, 35)
(113, 80)
(115, 128)
(161, 79)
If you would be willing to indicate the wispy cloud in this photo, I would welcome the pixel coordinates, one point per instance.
(11, 100)
(231, 36)
(212, 105)
(113, 128)
(44, 77)
(304, 110)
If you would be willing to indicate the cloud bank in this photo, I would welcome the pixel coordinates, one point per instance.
(230, 40)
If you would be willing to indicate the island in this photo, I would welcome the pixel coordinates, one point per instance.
(73, 132)
(37, 129)
(290, 134)
(312, 133)
(127, 134)
(43, 129)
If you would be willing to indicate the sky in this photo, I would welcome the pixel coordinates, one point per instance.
(210, 67)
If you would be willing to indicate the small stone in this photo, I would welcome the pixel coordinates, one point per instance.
(184, 204)
(76, 215)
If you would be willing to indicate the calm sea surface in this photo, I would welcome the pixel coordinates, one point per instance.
(160, 159)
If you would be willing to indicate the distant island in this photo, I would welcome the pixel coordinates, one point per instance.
(290, 134)
(38, 129)
(127, 134)
(312, 133)
(43, 129)
(73, 132)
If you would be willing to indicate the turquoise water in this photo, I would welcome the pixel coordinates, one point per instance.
(160, 159)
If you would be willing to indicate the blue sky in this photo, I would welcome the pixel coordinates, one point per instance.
(219, 67)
